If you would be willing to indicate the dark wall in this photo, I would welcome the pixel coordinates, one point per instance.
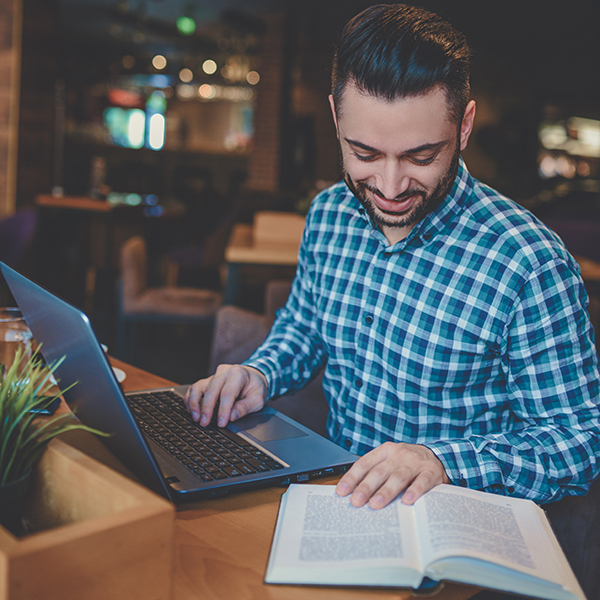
(36, 112)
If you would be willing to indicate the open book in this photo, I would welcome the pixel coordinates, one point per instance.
(450, 534)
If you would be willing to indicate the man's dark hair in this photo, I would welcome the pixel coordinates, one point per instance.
(394, 51)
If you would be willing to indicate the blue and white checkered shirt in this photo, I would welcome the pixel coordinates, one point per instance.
(471, 336)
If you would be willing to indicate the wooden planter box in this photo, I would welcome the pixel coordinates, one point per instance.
(97, 535)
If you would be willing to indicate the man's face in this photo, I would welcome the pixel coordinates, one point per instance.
(399, 157)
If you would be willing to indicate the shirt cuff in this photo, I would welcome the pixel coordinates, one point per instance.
(468, 468)
(269, 370)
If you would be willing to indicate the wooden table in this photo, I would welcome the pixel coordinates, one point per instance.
(222, 545)
(590, 269)
(271, 241)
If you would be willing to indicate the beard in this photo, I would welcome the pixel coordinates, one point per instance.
(428, 200)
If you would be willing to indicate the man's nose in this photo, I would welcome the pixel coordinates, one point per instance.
(393, 179)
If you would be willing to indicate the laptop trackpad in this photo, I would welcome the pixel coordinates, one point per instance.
(268, 428)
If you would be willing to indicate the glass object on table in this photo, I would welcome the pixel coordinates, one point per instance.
(13, 333)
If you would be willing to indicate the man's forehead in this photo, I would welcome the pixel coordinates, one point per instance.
(395, 125)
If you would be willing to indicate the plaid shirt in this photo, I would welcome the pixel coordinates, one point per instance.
(470, 336)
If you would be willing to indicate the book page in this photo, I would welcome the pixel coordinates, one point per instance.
(318, 530)
(459, 522)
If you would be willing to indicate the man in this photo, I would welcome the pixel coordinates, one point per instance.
(452, 323)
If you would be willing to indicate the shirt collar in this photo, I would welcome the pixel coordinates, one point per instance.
(450, 207)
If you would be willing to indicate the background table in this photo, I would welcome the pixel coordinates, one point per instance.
(271, 241)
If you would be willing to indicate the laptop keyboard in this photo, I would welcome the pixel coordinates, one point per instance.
(210, 453)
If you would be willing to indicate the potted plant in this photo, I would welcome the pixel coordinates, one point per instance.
(26, 386)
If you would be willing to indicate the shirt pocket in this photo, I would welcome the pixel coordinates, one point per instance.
(449, 354)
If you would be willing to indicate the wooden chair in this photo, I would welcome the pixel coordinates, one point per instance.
(137, 303)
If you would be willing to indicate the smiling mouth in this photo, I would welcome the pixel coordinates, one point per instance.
(396, 206)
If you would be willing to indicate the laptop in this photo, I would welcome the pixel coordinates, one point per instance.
(262, 449)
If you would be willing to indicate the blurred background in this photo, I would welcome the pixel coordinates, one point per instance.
(177, 120)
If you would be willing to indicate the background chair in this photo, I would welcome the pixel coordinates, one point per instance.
(138, 303)
(17, 233)
(576, 523)
(201, 260)
(238, 332)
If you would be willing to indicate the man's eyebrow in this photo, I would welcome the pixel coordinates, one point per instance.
(360, 145)
(422, 148)
(427, 147)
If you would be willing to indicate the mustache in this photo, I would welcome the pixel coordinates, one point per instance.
(399, 198)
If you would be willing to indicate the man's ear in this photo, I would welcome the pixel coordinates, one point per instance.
(332, 105)
(466, 127)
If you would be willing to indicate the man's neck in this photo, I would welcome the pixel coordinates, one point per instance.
(395, 234)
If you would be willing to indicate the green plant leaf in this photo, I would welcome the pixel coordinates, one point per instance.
(24, 436)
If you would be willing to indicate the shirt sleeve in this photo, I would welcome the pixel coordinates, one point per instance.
(293, 352)
(551, 367)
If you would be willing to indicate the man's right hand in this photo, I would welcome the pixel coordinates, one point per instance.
(237, 389)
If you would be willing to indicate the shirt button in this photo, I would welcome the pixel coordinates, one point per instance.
(387, 254)
(347, 443)
(427, 236)
(359, 383)
(368, 319)
(510, 489)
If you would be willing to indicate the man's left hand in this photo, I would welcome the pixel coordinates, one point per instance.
(379, 476)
